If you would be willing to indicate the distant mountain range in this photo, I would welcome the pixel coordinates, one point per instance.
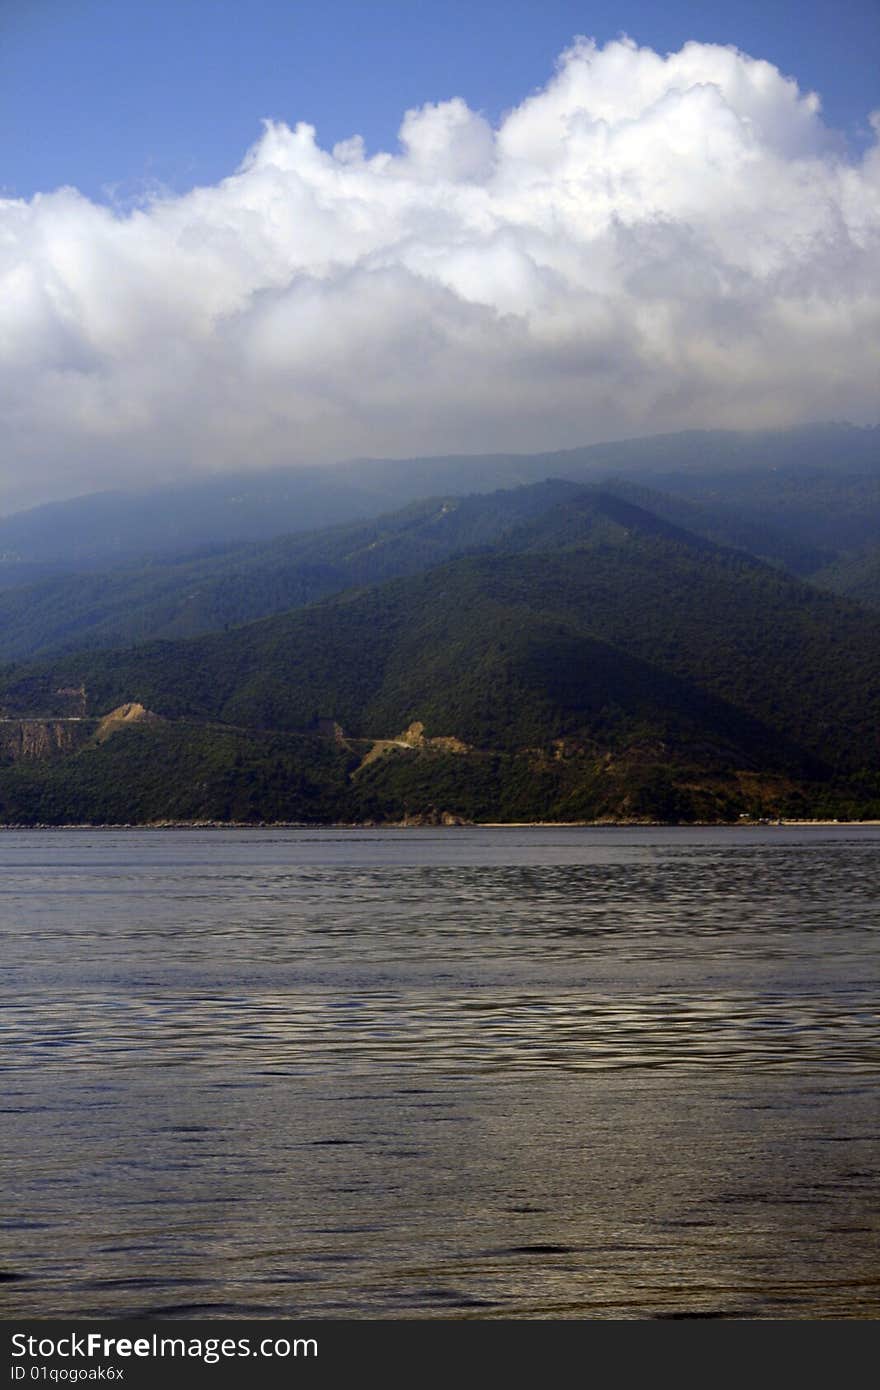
(75, 574)
(764, 475)
(553, 651)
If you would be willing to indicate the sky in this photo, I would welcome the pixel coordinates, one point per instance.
(252, 235)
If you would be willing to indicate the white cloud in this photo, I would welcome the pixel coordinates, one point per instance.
(647, 243)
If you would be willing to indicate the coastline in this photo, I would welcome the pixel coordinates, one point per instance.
(428, 825)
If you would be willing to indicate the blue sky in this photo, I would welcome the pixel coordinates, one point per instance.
(110, 95)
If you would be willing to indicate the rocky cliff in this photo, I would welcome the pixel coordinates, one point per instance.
(38, 739)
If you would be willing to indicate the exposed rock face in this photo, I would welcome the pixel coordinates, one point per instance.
(448, 744)
(432, 817)
(414, 737)
(38, 739)
(119, 718)
(411, 740)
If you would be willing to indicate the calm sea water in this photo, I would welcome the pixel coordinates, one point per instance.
(512, 1073)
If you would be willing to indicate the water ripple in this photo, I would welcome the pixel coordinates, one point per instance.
(482, 1031)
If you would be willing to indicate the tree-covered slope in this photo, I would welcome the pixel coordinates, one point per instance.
(107, 529)
(583, 658)
(822, 511)
(232, 585)
(501, 650)
(854, 576)
(722, 523)
(800, 499)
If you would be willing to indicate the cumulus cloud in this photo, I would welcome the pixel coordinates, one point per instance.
(647, 243)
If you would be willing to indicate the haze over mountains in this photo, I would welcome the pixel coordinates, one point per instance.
(633, 636)
(110, 528)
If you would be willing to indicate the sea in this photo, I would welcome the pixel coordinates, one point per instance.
(459, 1072)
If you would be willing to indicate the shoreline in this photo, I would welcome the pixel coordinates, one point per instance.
(766, 824)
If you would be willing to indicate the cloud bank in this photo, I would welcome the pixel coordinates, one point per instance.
(646, 243)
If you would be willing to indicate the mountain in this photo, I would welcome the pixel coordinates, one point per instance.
(836, 449)
(599, 662)
(824, 512)
(725, 523)
(855, 576)
(232, 585)
(805, 522)
(110, 529)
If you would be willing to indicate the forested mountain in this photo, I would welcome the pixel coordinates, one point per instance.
(856, 576)
(618, 632)
(233, 585)
(598, 662)
(726, 524)
(823, 511)
(758, 471)
(227, 585)
(110, 528)
(444, 647)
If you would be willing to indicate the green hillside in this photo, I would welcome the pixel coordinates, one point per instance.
(825, 511)
(602, 661)
(726, 525)
(232, 585)
(803, 500)
(112, 529)
(854, 576)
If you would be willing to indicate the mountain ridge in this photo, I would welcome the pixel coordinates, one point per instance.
(678, 667)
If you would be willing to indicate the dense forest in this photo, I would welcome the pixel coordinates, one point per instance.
(555, 651)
